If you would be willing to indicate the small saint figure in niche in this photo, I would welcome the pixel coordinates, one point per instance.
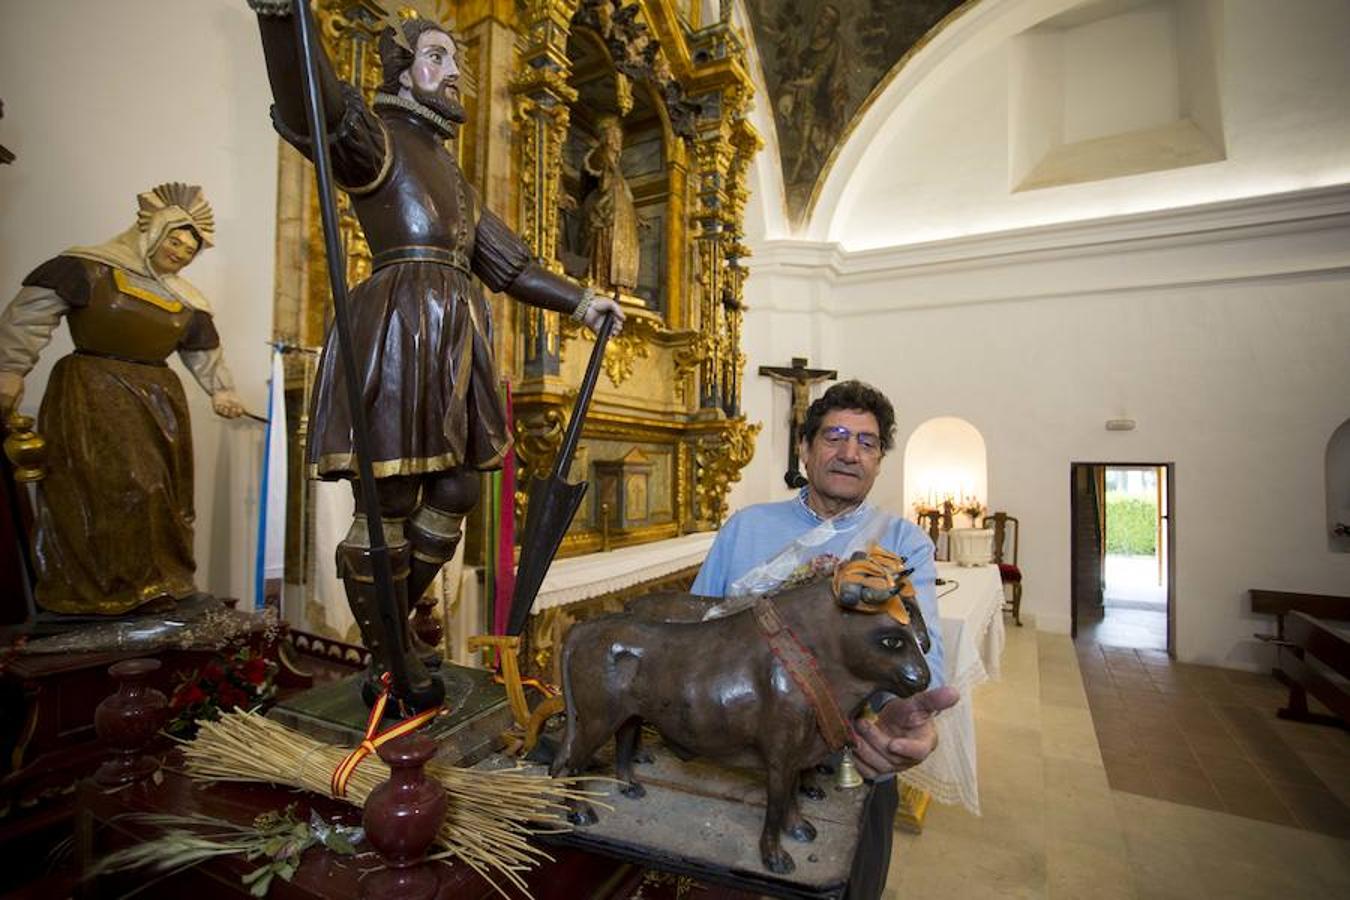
(115, 511)
(609, 217)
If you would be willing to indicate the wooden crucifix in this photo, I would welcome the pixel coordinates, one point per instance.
(800, 378)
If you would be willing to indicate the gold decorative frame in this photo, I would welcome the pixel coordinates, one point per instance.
(672, 384)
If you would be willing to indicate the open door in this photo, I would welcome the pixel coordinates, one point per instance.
(1122, 551)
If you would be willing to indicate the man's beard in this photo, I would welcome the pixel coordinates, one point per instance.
(437, 101)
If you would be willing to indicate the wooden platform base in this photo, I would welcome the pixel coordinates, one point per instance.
(705, 821)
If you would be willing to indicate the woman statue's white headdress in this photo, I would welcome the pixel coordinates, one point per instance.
(161, 209)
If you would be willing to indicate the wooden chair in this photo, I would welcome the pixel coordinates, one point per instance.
(1008, 572)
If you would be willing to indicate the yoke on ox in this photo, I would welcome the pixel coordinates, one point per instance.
(770, 682)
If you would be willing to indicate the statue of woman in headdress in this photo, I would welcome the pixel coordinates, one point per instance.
(115, 511)
(609, 216)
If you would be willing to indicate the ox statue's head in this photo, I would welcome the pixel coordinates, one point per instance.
(884, 636)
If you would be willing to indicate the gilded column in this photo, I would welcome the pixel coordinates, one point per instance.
(541, 97)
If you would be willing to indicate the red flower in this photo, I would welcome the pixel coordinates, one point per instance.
(231, 696)
(255, 670)
(187, 695)
(213, 673)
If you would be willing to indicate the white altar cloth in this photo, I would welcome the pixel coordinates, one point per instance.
(583, 577)
(972, 638)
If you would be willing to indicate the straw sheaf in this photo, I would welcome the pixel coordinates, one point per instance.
(488, 820)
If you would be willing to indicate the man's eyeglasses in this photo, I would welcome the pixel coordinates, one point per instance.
(838, 435)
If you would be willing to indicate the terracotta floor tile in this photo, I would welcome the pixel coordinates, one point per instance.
(1214, 745)
(1132, 777)
(1329, 742)
(1207, 737)
(1186, 785)
(1132, 756)
(1118, 738)
(1253, 799)
(1231, 768)
(1325, 764)
(1206, 726)
(1146, 715)
(1151, 736)
(1172, 751)
(1317, 809)
(1289, 771)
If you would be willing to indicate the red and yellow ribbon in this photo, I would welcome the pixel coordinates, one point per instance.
(372, 740)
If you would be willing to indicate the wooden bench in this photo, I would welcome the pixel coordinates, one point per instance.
(1308, 639)
(1280, 603)
(1311, 656)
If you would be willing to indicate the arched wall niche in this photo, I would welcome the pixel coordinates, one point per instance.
(945, 457)
(1338, 489)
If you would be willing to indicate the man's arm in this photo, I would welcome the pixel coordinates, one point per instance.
(903, 734)
(504, 263)
(357, 139)
(284, 67)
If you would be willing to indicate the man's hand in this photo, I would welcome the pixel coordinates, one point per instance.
(227, 404)
(595, 315)
(11, 392)
(902, 734)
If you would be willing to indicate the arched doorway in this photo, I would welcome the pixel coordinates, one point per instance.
(1338, 489)
(945, 459)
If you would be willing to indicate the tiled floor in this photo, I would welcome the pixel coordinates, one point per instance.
(1207, 737)
(1054, 827)
(1125, 628)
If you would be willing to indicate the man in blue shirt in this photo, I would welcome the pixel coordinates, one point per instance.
(843, 439)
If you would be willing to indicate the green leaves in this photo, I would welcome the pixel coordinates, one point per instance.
(277, 837)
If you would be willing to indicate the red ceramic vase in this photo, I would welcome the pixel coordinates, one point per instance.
(127, 720)
(401, 819)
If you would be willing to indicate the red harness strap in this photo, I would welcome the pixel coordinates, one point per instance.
(801, 665)
(372, 740)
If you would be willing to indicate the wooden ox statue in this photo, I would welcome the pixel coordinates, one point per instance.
(774, 685)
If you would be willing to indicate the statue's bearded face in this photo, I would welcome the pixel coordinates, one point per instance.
(433, 77)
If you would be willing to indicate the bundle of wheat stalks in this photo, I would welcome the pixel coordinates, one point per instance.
(487, 821)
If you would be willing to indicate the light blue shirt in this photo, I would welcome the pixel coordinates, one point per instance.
(759, 533)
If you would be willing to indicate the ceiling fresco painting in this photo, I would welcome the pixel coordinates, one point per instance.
(822, 63)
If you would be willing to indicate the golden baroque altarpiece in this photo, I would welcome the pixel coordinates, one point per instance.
(542, 79)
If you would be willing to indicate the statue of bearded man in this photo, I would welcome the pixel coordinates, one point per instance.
(420, 323)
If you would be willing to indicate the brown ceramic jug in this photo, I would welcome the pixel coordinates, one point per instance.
(127, 720)
(401, 818)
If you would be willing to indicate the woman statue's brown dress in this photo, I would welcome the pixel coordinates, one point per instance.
(115, 511)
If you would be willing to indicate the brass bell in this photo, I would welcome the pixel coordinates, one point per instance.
(26, 449)
(846, 776)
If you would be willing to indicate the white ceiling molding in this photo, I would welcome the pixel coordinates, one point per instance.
(1293, 234)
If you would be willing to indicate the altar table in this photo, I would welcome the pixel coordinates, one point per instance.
(971, 606)
(595, 574)
(102, 825)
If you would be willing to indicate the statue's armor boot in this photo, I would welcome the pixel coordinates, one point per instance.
(355, 568)
(433, 534)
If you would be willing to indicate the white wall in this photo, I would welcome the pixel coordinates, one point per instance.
(105, 100)
(1210, 303)
(1222, 330)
